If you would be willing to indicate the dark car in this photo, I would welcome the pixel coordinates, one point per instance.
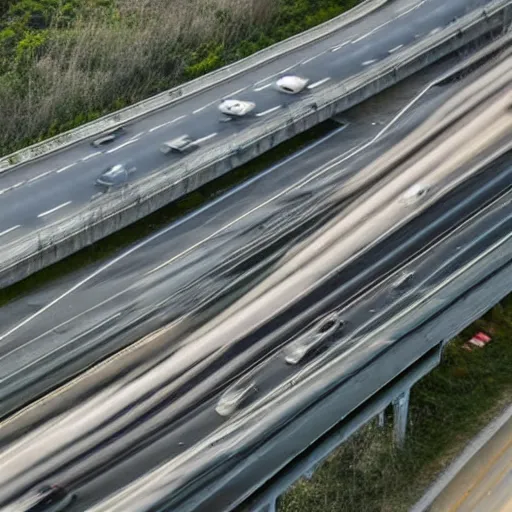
(48, 498)
(115, 176)
(108, 137)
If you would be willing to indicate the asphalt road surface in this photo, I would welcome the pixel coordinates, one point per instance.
(176, 396)
(41, 192)
(484, 482)
(110, 305)
(96, 462)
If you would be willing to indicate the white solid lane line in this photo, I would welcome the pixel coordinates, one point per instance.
(9, 230)
(54, 209)
(167, 123)
(91, 156)
(208, 137)
(263, 87)
(368, 62)
(393, 50)
(273, 109)
(336, 48)
(131, 141)
(62, 169)
(319, 83)
(17, 185)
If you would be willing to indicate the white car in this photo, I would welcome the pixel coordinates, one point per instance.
(236, 108)
(178, 145)
(292, 84)
(234, 396)
(415, 193)
(308, 342)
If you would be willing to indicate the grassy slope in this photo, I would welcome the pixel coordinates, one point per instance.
(448, 408)
(66, 62)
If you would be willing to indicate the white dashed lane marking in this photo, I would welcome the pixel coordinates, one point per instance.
(167, 123)
(204, 139)
(368, 62)
(336, 48)
(65, 168)
(319, 83)
(35, 178)
(54, 209)
(91, 156)
(273, 109)
(9, 230)
(263, 87)
(393, 50)
(127, 143)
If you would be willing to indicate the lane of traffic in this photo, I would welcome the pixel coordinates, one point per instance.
(174, 438)
(145, 151)
(98, 299)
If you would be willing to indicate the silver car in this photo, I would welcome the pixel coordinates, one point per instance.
(179, 145)
(108, 137)
(115, 176)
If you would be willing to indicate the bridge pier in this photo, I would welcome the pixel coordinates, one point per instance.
(382, 419)
(401, 412)
(269, 507)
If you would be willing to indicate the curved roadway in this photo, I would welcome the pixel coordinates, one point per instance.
(41, 192)
(110, 305)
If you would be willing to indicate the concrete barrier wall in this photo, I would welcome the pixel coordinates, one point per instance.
(111, 212)
(166, 98)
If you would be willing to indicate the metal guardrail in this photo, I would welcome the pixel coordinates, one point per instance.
(201, 84)
(114, 211)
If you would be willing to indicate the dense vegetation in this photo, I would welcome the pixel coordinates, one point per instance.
(65, 62)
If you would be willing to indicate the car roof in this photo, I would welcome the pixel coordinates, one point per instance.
(115, 171)
(291, 81)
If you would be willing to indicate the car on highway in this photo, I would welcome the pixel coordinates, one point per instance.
(106, 138)
(115, 176)
(181, 144)
(415, 193)
(292, 84)
(236, 108)
(233, 397)
(48, 498)
(312, 340)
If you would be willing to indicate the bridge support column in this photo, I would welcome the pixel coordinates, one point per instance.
(269, 507)
(382, 419)
(401, 411)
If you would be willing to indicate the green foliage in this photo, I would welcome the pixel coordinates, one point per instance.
(203, 61)
(40, 39)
